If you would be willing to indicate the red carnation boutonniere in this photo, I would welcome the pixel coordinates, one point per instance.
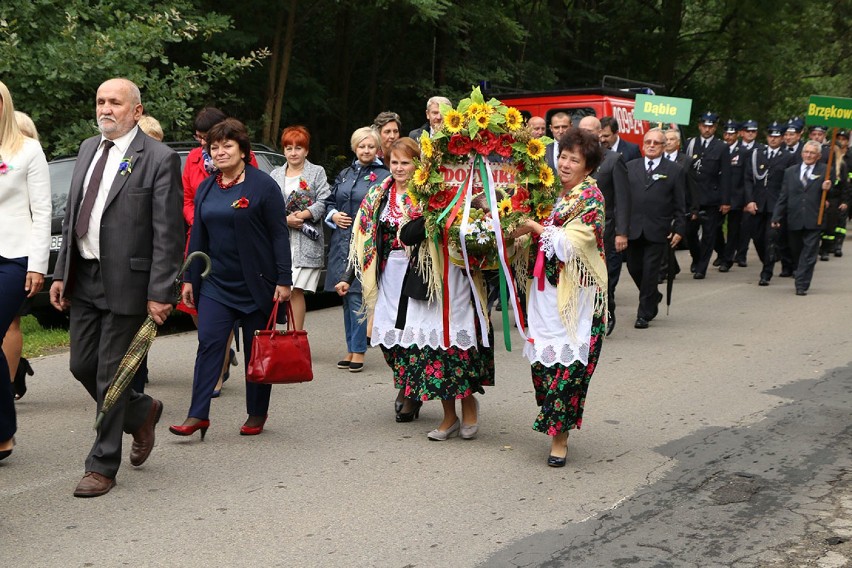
(240, 203)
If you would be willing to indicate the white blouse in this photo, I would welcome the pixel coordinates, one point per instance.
(25, 209)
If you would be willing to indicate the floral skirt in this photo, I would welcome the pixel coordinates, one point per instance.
(560, 390)
(428, 373)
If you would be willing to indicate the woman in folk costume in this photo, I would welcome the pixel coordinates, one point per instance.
(569, 278)
(407, 325)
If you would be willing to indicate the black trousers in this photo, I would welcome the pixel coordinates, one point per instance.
(614, 261)
(13, 273)
(732, 244)
(746, 228)
(99, 339)
(708, 222)
(804, 245)
(644, 259)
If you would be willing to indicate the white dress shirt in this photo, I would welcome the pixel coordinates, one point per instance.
(25, 209)
(90, 244)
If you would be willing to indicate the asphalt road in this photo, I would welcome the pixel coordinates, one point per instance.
(718, 437)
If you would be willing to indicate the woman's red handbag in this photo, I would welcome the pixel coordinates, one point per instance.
(280, 356)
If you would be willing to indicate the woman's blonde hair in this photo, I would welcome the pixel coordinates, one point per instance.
(361, 134)
(11, 138)
(151, 126)
(26, 125)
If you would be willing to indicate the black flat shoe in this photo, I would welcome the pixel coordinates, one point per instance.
(356, 367)
(5, 454)
(412, 415)
(641, 323)
(343, 364)
(763, 282)
(553, 461)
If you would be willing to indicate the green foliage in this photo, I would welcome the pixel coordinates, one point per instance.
(53, 56)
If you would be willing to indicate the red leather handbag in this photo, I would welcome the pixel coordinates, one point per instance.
(279, 356)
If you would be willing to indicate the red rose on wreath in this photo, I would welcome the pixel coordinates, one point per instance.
(440, 200)
(504, 145)
(240, 203)
(459, 145)
(520, 200)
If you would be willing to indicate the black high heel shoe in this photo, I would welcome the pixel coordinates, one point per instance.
(24, 369)
(413, 414)
(399, 402)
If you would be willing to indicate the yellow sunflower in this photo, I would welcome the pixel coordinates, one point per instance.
(421, 176)
(545, 174)
(504, 206)
(413, 199)
(481, 120)
(514, 120)
(535, 149)
(454, 121)
(543, 210)
(473, 109)
(425, 145)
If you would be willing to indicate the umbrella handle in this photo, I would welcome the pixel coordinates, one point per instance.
(99, 419)
(192, 256)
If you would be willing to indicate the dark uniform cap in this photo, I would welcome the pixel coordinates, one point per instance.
(731, 126)
(749, 125)
(817, 128)
(709, 118)
(795, 124)
(774, 129)
(843, 133)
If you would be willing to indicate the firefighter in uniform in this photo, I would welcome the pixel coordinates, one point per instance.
(764, 174)
(708, 159)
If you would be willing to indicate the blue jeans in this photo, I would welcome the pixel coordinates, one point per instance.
(356, 330)
(13, 274)
(215, 322)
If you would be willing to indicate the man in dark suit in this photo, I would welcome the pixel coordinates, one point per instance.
(611, 141)
(798, 209)
(121, 250)
(734, 201)
(611, 176)
(560, 122)
(764, 175)
(657, 221)
(710, 164)
(748, 142)
(434, 118)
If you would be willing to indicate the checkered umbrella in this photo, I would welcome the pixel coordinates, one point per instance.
(140, 344)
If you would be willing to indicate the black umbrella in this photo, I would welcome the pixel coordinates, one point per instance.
(671, 271)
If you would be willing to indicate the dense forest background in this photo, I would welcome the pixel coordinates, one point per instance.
(332, 65)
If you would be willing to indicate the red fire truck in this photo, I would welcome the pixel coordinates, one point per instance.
(615, 97)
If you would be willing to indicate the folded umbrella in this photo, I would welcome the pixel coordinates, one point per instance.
(141, 344)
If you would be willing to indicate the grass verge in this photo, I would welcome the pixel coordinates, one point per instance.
(39, 341)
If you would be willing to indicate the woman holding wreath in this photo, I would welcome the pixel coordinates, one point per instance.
(407, 325)
(569, 278)
(241, 225)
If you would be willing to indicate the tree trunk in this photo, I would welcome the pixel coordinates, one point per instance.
(270, 85)
(286, 56)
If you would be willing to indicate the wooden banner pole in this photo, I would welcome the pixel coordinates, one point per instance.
(827, 175)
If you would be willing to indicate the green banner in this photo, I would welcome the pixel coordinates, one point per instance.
(662, 109)
(830, 111)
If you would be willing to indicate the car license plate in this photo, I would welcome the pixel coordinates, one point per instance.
(55, 242)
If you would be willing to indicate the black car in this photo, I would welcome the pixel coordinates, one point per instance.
(61, 170)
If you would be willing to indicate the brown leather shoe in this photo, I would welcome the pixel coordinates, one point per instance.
(143, 438)
(94, 484)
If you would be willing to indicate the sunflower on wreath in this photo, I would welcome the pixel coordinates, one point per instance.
(475, 132)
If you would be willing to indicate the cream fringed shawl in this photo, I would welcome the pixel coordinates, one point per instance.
(363, 246)
(579, 216)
